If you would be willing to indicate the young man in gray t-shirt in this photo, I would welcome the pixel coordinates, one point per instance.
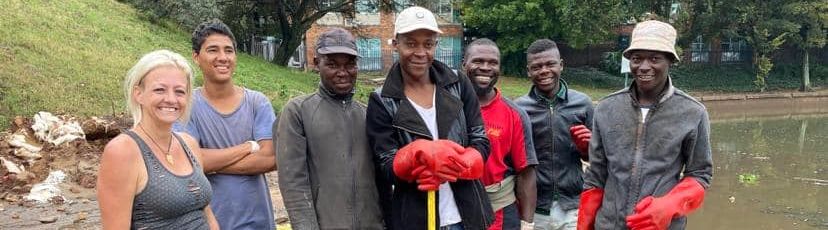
(233, 127)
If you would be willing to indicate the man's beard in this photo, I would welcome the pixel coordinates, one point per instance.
(483, 91)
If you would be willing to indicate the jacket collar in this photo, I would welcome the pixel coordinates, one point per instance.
(325, 92)
(535, 94)
(665, 94)
(447, 104)
(438, 73)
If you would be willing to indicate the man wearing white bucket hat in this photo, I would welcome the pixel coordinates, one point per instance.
(426, 132)
(655, 137)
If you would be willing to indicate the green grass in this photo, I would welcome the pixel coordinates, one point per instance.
(71, 57)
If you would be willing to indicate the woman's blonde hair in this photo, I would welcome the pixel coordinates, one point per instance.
(147, 63)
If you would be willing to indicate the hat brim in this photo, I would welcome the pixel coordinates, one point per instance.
(670, 54)
(418, 27)
(338, 50)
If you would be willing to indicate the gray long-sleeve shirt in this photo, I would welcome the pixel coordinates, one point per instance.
(326, 169)
(631, 159)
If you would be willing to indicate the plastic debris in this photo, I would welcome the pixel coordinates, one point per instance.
(12, 167)
(49, 128)
(47, 189)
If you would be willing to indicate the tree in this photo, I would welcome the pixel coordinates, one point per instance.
(811, 18)
(515, 24)
(759, 22)
(295, 17)
(288, 19)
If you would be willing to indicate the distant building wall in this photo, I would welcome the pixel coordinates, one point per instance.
(374, 31)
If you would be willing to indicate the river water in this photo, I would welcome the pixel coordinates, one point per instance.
(771, 166)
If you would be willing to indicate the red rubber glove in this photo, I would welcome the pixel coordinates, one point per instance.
(426, 180)
(581, 135)
(657, 213)
(445, 166)
(412, 155)
(472, 162)
(591, 200)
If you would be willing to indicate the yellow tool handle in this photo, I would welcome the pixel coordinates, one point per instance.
(432, 210)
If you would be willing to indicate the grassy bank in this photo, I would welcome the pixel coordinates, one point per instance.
(71, 57)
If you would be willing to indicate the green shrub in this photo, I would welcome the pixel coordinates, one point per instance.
(611, 63)
(187, 13)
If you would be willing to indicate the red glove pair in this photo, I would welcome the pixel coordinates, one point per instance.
(433, 162)
(657, 213)
(581, 135)
(650, 213)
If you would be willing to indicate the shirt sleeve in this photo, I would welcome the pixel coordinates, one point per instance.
(697, 151)
(189, 128)
(528, 140)
(294, 175)
(263, 119)
(596, 174)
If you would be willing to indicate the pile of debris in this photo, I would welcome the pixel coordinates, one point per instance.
(40, 155)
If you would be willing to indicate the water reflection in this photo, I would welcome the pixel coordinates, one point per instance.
(770, 169)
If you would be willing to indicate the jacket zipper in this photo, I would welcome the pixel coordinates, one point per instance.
(552, 146)
(631, 197)
(412, 131)
(353, 168)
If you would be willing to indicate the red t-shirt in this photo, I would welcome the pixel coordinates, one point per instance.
(505, 130)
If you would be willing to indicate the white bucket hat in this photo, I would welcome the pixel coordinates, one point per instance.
(653, 35)
(415, 18)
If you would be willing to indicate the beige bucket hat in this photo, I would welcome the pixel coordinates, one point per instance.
(653, 35)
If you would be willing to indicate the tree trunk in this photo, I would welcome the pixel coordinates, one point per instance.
(292, 39)
(806, 75)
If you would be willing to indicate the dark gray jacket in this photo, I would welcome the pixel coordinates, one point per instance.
(393, 122)
(631, 160)
(326, 169)
(559, 162)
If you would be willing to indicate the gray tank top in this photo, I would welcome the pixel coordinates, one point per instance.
(170, 201)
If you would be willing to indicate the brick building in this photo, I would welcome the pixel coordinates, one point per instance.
(374, 30)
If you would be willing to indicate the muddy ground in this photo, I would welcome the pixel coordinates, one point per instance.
(79, 160)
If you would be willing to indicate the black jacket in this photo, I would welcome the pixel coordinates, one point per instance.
(559, 162)
(393, 122)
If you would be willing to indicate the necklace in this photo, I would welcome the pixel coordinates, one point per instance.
(167, 155)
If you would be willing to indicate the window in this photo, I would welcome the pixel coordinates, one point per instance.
(327, 3)
(732, 49)
(369, 49)
(444, 10)
(449, 51)
(367, 6)
(699, 51)
(400, 5)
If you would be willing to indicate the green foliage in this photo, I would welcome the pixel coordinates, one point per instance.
(765, 25)
(740, 78)
(516, 24)
(611, 62)
(763, 67)
(811, 19)
(187, 13)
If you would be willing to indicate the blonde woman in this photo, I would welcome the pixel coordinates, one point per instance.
(149, 177)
